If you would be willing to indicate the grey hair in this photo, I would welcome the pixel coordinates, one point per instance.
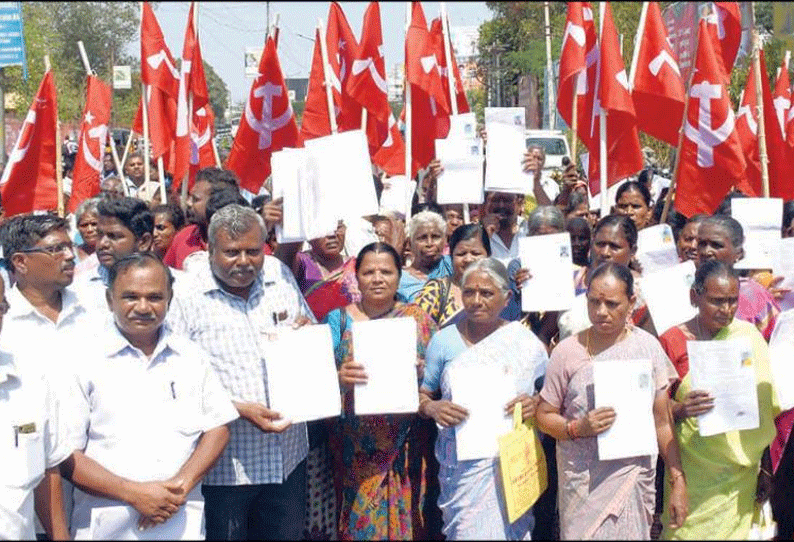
(426, 218)
(491, 267)
(545, 215)
(235, 220)
(87, 206)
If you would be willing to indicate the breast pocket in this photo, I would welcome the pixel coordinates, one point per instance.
(184, 407)
(24, 465)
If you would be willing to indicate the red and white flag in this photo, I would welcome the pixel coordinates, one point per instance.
(29, 182)
(267, 125)
(747, 132)
(162, 118)
(192, 82)
(342, 48)
(725, 26)
(201, 152)
(780, 185)
(437, 36)
(624, 156)
(711, 159)
(657, 90)
(91, 145)
(781, 98)
(316, 121)
(578, 67)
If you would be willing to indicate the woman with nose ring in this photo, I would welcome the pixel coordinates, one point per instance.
(727, 472)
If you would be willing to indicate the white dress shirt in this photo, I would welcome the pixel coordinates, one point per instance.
(141, 417)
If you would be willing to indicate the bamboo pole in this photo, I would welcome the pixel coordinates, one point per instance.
(762, 153)
(602, 127)
(58, 155)
(147, 174)
(329, 93)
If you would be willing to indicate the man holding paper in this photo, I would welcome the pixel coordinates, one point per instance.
(148, 417)
(615, 498)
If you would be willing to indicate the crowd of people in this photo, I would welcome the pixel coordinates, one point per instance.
(133, 370)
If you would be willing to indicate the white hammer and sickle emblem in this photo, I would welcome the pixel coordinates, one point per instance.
(704, 136)
(267, 124)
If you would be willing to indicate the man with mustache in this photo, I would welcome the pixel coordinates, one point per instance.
(504, 243)
(257, 490)
(46, 324)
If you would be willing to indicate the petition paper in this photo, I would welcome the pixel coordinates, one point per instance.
(548, 259)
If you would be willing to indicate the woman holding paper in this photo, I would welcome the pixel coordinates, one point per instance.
(472, 504)
(377, 459)
(427, 234)
(607, 499)
(725, 472)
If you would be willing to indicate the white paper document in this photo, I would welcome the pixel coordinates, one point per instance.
(387, 350)
(121, 523)
(656, 248)
(761, 219)
(483, 390)
(725, 370)
(287, 166)
(781, 359)
(783, 262)
(628, 387)
(548, 258)
(666, 292)
(463, 125)
(511, 116)
(462, 180)
(507, 144)
(344, 173)
(397, 194)
(302, 381)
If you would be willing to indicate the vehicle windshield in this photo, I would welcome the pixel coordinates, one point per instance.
(550, 145)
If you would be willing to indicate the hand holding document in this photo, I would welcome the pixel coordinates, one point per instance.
(656, 248)
(628, 387)
(761, 219)
(121, 523)
(462, 160)
(302, 381)
(781, 354)
(725, 370)
(666, 292)
(483, 390)
(505, 152)
(387, 350)
(548, 258)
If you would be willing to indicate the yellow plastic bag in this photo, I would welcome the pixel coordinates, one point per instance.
(523, 466)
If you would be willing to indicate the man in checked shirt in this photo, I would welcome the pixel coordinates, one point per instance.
(257, 489)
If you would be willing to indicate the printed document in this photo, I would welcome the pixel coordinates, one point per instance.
(781, 356)
(666, 292)
(121, 523)
(461, 181)
(656, 248)
(548, 258)
(761, 219)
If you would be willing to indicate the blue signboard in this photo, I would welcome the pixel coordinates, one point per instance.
(12, 42)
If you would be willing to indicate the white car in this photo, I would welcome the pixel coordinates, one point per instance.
(556, 146)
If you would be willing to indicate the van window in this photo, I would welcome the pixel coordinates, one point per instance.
(551, 146)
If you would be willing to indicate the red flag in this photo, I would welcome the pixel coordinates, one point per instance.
(268, 124)
(624, 156)
(342, 47)
(781, 98)
(422, 60)
(747, 132)
(201, 153)
(316, 121)
(658, 90)
(162, 119)
(725, 26)
(578, 66)
(157, 64)
(780, 185)
(29, 182)
(711, 159)
(437, 35)
(192, 81)
(91, 145)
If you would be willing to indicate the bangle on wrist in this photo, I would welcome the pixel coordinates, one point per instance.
(675, 476)
(571, 430)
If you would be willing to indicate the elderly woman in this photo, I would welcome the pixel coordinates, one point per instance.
(168, 219)
(441, 298)
(633, 200)
(725, 472)
(377, 459)
(427, 235)
(612, 499)
(325, 277)
(471, 499)
(86, 219)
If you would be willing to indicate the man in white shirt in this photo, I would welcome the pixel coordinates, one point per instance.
(504, 242)
(149, 416)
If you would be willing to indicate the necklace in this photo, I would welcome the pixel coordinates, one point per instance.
(587, 340)
(381, 315)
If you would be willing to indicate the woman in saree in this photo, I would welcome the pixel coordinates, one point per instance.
(726, 472)
(607, 499)
(326, 279)
(86, 220)
(378, 465)
(471, 501)
(427, 236)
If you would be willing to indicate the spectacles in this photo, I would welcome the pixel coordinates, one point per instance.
(51, 250)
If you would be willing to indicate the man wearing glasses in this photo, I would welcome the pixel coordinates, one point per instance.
(46, 323)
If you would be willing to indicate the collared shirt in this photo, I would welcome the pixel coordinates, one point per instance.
(232, 331)
(140, 416)
(503, 253)
(90, 286)
(31, 439)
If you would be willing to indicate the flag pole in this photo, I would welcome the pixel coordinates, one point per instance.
(58, 155)
(329, 93)
(575, 120)
(124, 161)
(145, 110)
(186, 180)
(549, 68)
(635, 55)
(408, 120)
(668, 200)
(453, 101)
(762, 154)
(602, 126)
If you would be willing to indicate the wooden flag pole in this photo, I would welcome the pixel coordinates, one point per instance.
(602, 125)
(762, 154)
(58, 155)
(329, 93)
(408, 120)
(147, 174)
